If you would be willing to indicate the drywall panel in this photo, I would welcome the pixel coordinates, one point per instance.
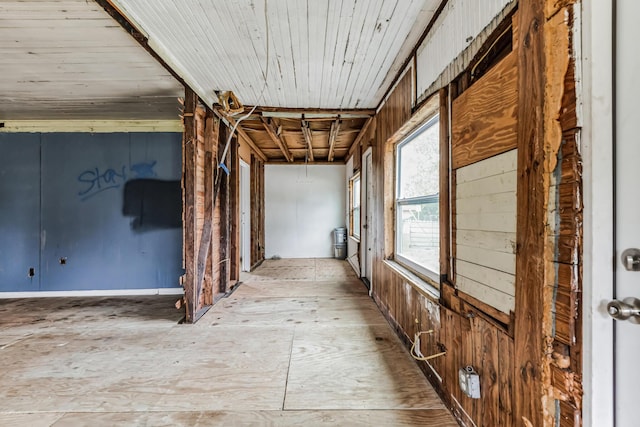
(486, 230)
(110, 211)
(303, 204)
(19, 212)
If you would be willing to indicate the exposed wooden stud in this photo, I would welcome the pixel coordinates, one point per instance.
(308, 137)
(333, 135)
(530, 265)
(234, 213)
(268, 126)
(188, 200)
(444, 205)
(363, 133)
(232, 122)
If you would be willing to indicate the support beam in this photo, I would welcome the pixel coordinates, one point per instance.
(333, 136)
(268, 126)
(232, 122)
(532, 217)
(363, 133)
(189, 141)
(306, 131)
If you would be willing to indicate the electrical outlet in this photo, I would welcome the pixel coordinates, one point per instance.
(469, 382)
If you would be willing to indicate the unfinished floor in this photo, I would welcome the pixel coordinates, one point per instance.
(299, 342)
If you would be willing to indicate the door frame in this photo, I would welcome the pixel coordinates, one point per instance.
(245, 216)
(366, 186)
(597, 147)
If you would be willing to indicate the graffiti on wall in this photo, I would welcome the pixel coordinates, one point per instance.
(97, 180)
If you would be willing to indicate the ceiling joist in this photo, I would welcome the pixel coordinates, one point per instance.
(271, 130)
(333, 135)
(306, 132)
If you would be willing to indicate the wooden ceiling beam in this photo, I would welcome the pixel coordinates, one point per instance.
(314, 112)
(271, 130)
(232, 122)
(333, 136)
(363, 133)
(306, 131)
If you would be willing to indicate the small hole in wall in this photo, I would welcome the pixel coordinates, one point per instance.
(63, 260)
(1, 124)
(32, 272)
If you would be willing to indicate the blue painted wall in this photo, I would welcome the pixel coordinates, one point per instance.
(61, 211)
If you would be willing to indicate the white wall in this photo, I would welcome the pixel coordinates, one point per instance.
(303, 204)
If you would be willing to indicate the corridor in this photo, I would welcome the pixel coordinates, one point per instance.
(298, 342)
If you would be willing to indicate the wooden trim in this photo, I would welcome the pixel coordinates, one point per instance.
(445, 170)
(93, 126)
(188, 198)
(333, 136)
(530, 261)
(484, 308)
(361, 136)
(421, 115)
(232, 122)
(268, 126)
(308, 137)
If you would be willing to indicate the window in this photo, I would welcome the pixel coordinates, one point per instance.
(354, 205)
(417, 202)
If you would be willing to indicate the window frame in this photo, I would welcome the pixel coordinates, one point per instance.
(434, 276)
(355, 234)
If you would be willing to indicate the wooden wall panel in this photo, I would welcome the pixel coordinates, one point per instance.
(529, 360)
(484, 117)
(485, 217)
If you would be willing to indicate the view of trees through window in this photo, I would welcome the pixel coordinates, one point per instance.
(417, 206)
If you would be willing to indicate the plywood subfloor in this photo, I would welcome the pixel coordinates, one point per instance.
(286, 348)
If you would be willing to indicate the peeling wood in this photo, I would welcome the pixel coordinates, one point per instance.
(273, 134)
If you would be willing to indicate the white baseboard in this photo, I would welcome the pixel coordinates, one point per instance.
(93, 293)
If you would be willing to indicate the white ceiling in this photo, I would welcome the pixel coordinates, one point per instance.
(321, 53)
(70, 59)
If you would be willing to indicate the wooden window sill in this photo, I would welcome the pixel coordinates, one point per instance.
(425, 286)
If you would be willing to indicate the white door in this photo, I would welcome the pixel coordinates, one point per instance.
(627, 214)
(245, 216)
(366, 233)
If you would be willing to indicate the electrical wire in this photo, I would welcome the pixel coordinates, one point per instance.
(260, 97)
(423, 358)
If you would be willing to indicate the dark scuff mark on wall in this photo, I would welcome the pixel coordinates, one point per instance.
(154, 204)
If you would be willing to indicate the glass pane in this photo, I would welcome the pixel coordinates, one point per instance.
(418, 161)
(356, 192)
(356, 221)
(418, 234)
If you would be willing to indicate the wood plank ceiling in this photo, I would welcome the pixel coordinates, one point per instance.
(316, 68)
(68, 59)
